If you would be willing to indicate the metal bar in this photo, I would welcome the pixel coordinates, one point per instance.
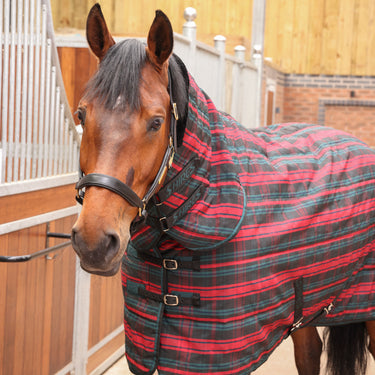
(35, 161)
(66, 151)
(24, 91)
(59, 78)
(42, 123)
(51, 120)
(17, 225)
(30, 93)
(58, 235)
(56, 128)
(17, 121)
(47, 109)
(37, 254)
(12, 74)
(4, 108)
(61, 140)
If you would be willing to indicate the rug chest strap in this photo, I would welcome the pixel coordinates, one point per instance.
(171, 299)
(165, 223)
(173, 264)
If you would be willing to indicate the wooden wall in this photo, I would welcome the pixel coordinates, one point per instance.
(321, 36)
(301, 36)
(36, 303)
(231, 18)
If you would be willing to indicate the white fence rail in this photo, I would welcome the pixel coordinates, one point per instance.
(38, 137)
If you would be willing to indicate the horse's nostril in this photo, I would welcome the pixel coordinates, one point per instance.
(113, 245)
(75, 241)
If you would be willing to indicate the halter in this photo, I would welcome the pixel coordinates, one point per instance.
(118, 187)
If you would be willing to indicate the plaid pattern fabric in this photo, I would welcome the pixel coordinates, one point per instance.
(260, 211)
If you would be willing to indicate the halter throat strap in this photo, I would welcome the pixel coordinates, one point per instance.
(120, 188)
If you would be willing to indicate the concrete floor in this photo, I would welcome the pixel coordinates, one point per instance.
(281, 362)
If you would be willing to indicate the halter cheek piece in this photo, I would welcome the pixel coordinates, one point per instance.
(118, 187)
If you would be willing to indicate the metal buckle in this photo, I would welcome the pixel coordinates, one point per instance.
(170, 264)
(164, 224)
(175, 113)
(170, 296)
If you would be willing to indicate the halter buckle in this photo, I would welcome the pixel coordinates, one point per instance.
(175, 113)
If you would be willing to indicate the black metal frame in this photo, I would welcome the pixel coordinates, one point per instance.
(40, 253)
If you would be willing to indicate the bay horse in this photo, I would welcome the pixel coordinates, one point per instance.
(228, 239)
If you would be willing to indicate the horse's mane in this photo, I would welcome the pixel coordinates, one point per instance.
(119, 76)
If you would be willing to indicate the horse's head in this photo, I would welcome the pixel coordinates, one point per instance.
(126, 143)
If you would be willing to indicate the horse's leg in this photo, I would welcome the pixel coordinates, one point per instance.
(370, 326)
(307, 350)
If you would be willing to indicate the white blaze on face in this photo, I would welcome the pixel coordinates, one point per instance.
(118, 102)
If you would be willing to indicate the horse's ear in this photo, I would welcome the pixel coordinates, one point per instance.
(97, 33)
(160, 39)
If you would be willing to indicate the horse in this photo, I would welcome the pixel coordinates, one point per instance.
(229, 239)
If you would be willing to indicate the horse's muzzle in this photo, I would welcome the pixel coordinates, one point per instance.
(102, 258)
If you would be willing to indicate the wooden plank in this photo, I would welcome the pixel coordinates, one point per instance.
(102, 354)
(364, 55)
(271, 32)
(329, 40)
(300, 29)
(20, 206)
(346, 20)
(314, 36)
(370, 38)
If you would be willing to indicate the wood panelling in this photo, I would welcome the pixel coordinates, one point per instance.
(301, 36)
(36, 304)
(20, 206)
(77, 66)
(106, 307)
(321, 36)
(231, 18)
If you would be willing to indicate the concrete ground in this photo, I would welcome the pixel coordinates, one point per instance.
(281, 362)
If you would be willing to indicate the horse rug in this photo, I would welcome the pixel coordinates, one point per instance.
(254, 233)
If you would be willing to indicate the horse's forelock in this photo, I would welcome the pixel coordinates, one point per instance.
(116, 83)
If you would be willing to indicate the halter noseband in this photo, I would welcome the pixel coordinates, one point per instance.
(118, 187)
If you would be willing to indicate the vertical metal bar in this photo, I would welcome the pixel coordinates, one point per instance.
(24, 90)
(4, 107)
(36, 141)
(29, 137)
(12, 75)
(61, 139)
(47, 108)
(42, 124)
(51, 120)
(57, 133)
(71, 150)
(66, 152)
(17, 121)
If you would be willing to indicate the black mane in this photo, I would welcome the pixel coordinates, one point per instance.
(119, 76)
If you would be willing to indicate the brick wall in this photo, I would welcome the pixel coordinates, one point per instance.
(343, 102)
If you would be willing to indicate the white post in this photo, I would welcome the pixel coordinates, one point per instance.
(219, 43)
(239, 52)
(257, 43)
(81, 321)
(189, 30)
(190, 27)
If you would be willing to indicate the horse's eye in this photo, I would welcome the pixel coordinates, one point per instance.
(81, 114)
(155, 123)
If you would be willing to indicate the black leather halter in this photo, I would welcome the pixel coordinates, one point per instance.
(118, 187)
